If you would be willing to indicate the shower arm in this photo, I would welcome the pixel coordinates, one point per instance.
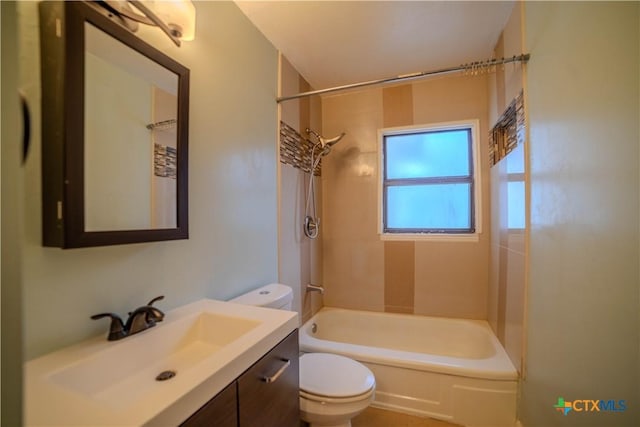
(314, 133)
(325, 142)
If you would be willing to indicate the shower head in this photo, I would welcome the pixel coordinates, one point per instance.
(329, 142)
(326, 142)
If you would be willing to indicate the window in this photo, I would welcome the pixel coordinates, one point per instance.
(429, 183)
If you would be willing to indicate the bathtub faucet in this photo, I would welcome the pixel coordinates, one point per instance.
(315, 288)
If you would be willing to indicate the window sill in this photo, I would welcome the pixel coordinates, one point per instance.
(426, 237)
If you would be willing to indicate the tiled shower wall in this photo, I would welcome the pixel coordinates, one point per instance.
(440, 278)
(507, 278)
(300, 258)
(483, 280)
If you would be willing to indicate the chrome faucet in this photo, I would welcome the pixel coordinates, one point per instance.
(139, 319)
(315, 288)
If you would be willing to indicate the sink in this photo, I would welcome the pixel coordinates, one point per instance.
(206, 344)
(121, 374)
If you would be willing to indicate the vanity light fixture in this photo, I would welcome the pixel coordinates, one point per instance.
(176, 18)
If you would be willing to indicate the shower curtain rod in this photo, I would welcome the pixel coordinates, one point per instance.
(472, 67)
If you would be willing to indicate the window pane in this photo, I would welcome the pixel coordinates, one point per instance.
(441, 206)
(515, 205)
(429, 154)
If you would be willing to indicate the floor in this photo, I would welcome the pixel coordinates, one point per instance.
(374, 417)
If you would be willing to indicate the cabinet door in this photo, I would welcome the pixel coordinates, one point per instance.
(221, 411)
(268, 392)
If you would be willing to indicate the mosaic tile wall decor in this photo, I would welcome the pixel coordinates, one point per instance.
(508, 131)
(296, 150)
(164, 161)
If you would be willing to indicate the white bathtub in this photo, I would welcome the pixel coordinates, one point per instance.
(451, 369)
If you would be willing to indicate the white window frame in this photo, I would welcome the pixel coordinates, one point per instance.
(474, 125)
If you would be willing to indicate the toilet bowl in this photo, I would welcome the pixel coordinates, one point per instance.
(333, 388)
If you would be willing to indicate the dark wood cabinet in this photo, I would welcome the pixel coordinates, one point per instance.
(268, 392)
(221, 411)
(265, 395)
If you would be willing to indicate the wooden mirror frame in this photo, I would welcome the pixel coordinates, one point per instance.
(62, 41)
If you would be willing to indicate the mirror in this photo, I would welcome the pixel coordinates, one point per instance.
(115, 130)
(130, 141)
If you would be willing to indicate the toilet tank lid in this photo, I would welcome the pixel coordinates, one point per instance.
(272, 295)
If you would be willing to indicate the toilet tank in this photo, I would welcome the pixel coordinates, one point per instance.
(273, 295)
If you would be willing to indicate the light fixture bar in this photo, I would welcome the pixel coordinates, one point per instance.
(154, 18)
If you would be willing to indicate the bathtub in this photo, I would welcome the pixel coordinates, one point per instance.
(450, 369)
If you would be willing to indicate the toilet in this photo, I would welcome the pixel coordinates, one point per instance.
(333, 388)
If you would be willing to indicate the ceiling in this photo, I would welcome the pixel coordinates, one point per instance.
(332, 43)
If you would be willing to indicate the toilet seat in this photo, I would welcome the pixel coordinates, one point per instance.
(325, 399)
(330, 377)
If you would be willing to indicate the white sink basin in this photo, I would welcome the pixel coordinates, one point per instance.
(118, 375)
(206, 344)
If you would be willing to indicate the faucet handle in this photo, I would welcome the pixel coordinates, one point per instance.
(154, 314)
(158, 298)
(116, 329)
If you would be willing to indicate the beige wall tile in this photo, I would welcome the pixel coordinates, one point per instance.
(451, 279)
(289, 84)
(456, 97)
(358, 282)
(503, 282)
(398, 105)
(509, 302)
(499, 76)
(300, 258)
(514, 307)
(494, 266)
(493, 288)
(313, 300)
(354, 274)
(507, 274)
(304, 107)
(350, 103)
(399, 276)
(353, 267)
(350, 206)
(399, 257)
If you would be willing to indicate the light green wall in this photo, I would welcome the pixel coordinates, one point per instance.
(583, 305)
(232, 192)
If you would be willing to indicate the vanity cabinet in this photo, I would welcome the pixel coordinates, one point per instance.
(265, 395)
(268, 392)
(221, 411)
